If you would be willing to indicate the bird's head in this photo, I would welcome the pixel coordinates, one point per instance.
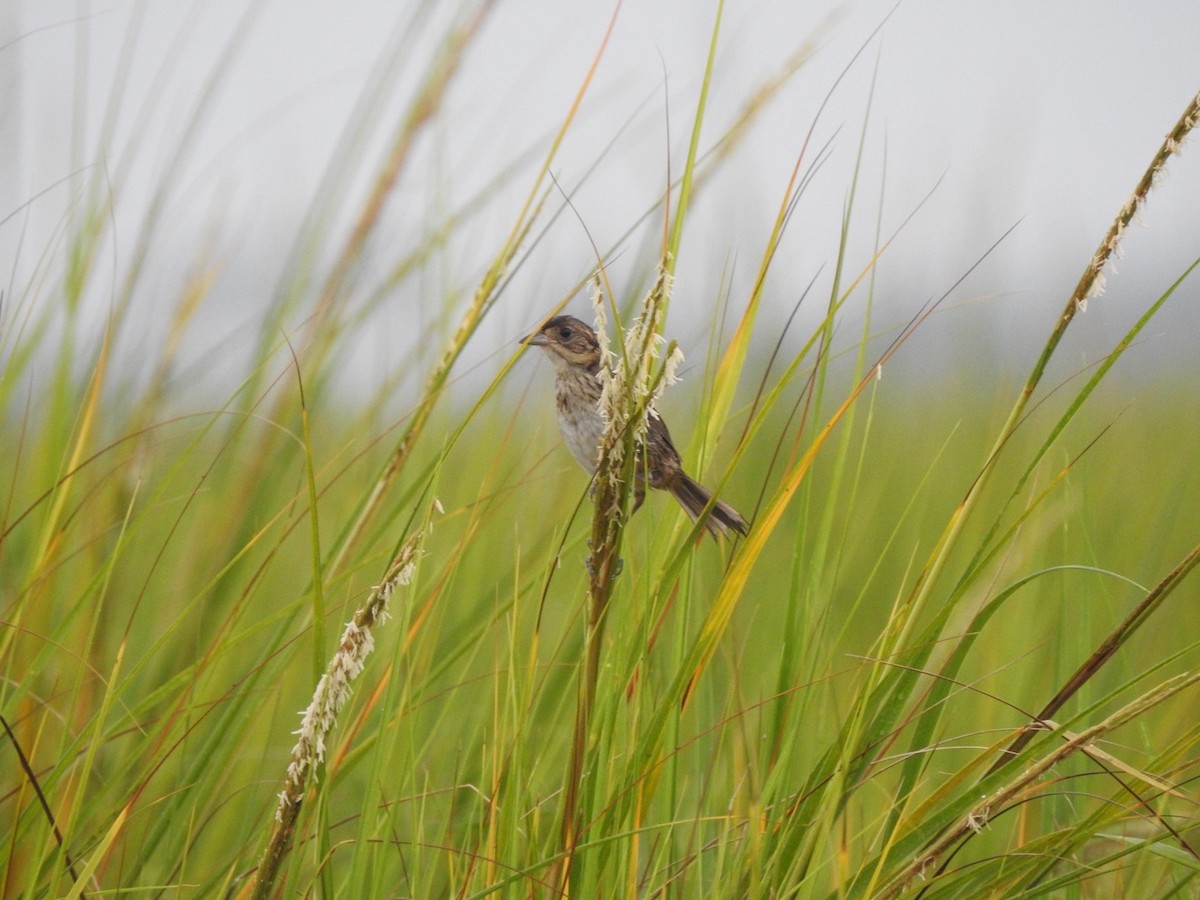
(567, 341)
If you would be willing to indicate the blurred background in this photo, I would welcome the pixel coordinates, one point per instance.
(206, 509)
(237, 139)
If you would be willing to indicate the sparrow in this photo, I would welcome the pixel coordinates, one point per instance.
(575, 352)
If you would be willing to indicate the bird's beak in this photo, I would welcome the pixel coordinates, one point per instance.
(537, 339)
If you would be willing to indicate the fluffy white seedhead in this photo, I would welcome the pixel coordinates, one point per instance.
(671, 368)
(1193, 118)
(612, 378)
(1102, 262)
(334, 688)
(646, 335)
(627, 389)
(607, 358)
(627, 386)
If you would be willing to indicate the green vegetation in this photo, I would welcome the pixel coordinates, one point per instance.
(836, 706)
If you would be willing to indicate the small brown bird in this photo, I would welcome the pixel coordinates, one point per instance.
(575, 352)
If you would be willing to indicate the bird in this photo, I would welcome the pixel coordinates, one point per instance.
(575, 352)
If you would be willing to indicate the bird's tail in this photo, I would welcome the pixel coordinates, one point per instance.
(693, 497)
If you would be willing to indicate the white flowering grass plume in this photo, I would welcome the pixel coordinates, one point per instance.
(1092, 283)
(630, 384)
(318, 720)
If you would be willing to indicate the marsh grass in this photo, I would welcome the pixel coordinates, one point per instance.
(932, 668)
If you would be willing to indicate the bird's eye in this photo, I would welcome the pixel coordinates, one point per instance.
(565, 332)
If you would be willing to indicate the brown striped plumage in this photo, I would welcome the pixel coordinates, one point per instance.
(575, 352)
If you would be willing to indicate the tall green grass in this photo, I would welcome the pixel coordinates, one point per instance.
(955, 657)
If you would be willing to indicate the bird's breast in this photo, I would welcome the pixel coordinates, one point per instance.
(579, 419)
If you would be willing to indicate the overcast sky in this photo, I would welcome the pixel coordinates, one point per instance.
(1038, 113)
